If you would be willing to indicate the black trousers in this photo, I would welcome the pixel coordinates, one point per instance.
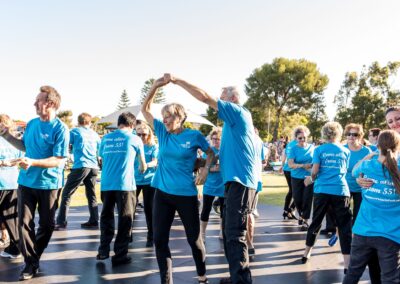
(289, 203)
(303, 196)
(165, 206)
(207, 205)
(363, 248)
(9, 214)
(123, 201)
(33, 244)
(148, 200)
(239, 202)
(75, 178)
(341, 210)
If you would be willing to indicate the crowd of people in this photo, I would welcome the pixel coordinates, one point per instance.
(160, 159)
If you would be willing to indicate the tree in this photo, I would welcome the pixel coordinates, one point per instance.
(212, 116)
(363, 98)
(316, 118)
(159, 97)
(284, 86)
(66, 117)
(124, 101)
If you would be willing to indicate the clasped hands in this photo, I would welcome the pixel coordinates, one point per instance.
(24, 163)
(166, 79)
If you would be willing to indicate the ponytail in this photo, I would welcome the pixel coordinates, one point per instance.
(389, 145)
(391, 165)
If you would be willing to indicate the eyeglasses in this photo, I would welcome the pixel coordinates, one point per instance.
(141, 134)
(353, 134)
(301, 138)
(215, 139)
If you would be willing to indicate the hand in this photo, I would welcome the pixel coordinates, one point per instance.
(24, 163)
(9, 163)
(143, 168)
(364, 182)
(307, 166)
(307, 181)
(201, 177)
(160, 82)
(169, 78)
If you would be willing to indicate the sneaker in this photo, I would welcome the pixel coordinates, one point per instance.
(332, 241)
(89, 225)
(327, 231)
(256, 214)
(251, 251)
(60, 227)
(217, 207)
(101, 257)
(149, 243)
(9, 255)
(29, 272)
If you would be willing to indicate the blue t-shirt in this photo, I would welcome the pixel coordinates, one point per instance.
(176, 159)
(333, 160)
(8, 175)
(288, 148)
(301, 155)
(118, 151)
(150, 153)
(85, 145)
(355, 157)
(260, 153)
(380, 209)
(44, 139)
(214, 184)
(238, 155)
(373, 148)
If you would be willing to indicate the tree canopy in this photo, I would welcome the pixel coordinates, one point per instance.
(124, 101)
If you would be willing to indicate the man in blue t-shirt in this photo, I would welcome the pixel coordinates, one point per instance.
(240, 169)
(85, 144)
(45, 143)
(118, 151)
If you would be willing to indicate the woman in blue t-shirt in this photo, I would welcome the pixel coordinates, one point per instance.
(300, 161)
(330, 163)
(354, 133)
(143, 180)
(377, 227)
(175, 182)
(214, 185)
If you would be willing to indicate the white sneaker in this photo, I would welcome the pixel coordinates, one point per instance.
(12, 256)
(256, 214)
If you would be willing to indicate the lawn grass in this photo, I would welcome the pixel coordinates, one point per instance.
(273, 193)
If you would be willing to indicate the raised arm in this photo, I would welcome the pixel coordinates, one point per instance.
(196, 92)
(17, 143)
(146, 106)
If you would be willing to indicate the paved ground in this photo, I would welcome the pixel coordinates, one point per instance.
(70, 257)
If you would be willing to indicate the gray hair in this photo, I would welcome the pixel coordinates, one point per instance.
(231, 91)
(332, 131)
(176, 110)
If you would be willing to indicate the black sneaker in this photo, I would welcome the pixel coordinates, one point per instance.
(60, 227)
(28, 272)
(327, 231)
(121, 260)
(101, 257)
(149, 243)
(89, 225)
(251, 251)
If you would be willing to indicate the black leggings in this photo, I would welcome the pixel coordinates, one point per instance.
(148, 198)
(207, 205)
(165, 206)
(289, 203)
(303, 197)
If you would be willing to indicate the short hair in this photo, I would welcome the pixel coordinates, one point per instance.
(176, 110)
(375, 131)
(355, 126)
(392, 108)
(51, 95)
(149, 138)
(7, 121)
(127, 119)
(84, 118)
(300, 129)
(231, 91)
(216, 131)
(332, 131)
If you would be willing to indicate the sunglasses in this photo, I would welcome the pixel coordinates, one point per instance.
(353, 134)
(141, 134)
(301, 138)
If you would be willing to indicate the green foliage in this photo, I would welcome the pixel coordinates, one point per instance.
(100, 128)
(188, 125)
(159, 97)
(212, 116)
(316, 117)
(124, 101)
(363, 98)
(286, 86)
(66, 117)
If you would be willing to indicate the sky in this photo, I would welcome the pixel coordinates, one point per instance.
(92, 50)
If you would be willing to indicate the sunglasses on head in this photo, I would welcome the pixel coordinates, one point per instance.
(353, 134)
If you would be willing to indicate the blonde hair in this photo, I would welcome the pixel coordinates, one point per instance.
(150, 137)
(52, 95)
(176, 110)
(332, 131)
(389, 145)
(355, 126)
(300, 129)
